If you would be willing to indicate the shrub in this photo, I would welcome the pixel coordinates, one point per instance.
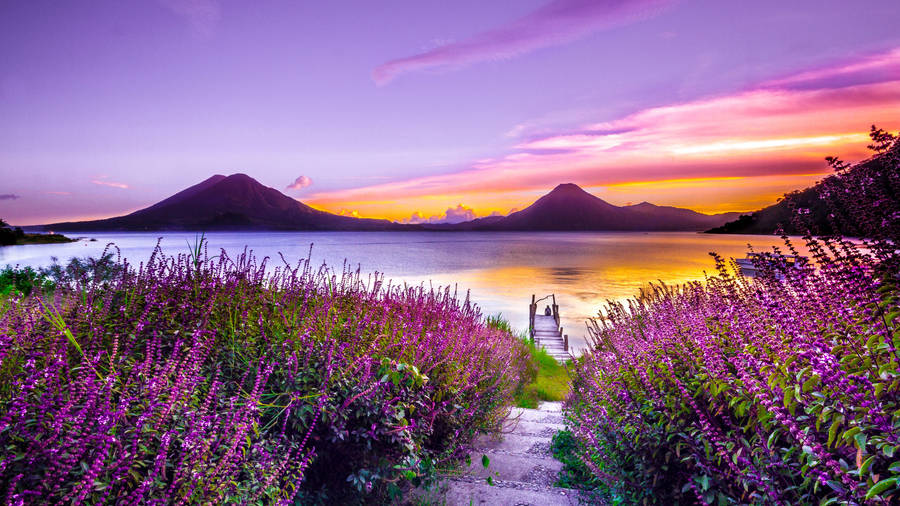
(21, 281)
(780, 390)
(217, 380)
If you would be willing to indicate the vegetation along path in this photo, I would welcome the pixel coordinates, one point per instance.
(515, 468)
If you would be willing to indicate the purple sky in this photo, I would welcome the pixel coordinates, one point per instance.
(109, 106)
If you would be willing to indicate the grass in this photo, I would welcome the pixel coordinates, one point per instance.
(552, 382)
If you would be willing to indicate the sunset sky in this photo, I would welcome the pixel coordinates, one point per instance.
(430, 109)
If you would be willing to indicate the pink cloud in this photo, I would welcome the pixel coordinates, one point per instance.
(555, 23)
(112, 184)
(773, 129)
(300, 183)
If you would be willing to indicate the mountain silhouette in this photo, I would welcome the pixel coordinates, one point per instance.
(569, 208)
(239, 202)
(235, 202)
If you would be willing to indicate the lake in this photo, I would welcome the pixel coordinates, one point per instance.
(500, 269)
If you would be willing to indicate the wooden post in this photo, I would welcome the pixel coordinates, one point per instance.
(532, 309)
(566, 342)
(555, 309)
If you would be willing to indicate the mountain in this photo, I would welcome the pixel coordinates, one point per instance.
(569, 207)
(236, 202)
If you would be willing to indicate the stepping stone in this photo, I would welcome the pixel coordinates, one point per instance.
(514, 443)
(530, 427)
(503, 494)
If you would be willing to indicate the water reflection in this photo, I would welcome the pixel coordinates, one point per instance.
(501, 270)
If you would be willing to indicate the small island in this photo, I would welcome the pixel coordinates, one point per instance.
(10, 236)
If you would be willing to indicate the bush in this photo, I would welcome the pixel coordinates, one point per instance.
(22, 281)
(779, 390)
(210, 381)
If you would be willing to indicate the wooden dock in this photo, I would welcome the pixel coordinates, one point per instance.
(545, 330)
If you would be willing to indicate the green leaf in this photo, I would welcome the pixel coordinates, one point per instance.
(832, 431)
(704, 482)
(485, 461)
(849, 433)
(864, 468)
(880, 487)
(860, 440)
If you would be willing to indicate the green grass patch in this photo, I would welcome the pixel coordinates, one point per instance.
(552, 382)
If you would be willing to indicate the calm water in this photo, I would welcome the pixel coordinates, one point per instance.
(501, 270)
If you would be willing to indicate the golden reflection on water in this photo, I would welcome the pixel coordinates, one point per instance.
(586, 273)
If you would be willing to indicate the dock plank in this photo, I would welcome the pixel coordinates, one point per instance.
(547, 335)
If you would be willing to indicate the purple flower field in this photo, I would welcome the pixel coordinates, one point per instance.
(198, 379)
(783, 389)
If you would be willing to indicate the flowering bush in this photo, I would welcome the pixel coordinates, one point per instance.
(783, 389)
(193, 379)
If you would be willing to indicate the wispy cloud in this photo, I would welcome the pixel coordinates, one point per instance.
(58, 193)
(776, 129)
(201, 15)
(9, 196)
(300, 183)
(555, 23)
(102, 181)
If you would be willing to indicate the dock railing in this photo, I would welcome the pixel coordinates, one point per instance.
(533, 308)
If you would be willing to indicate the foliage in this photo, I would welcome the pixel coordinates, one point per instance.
(9, 235)
(575, 474)
(219, 380)
(86, 271)
(22, 281)
(862, 199)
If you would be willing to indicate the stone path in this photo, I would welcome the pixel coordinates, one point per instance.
(521, 467)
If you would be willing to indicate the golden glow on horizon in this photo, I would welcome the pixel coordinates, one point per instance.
(719, 195)
(690, 180)
(766, 144)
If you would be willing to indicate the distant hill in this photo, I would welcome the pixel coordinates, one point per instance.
(236, 202)
(779, 216)
(862, 201)
(569, 208)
